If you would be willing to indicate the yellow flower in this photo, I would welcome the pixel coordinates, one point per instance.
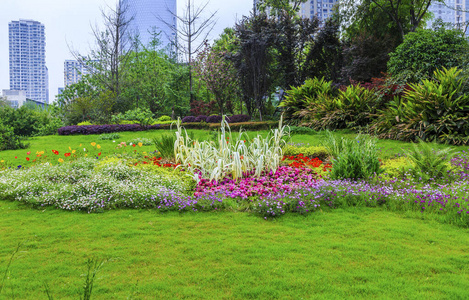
(86, 155)
(144, 152)
(93, 144)
(2, 161)
(140, 144)
(39, 152)
(69, 148)
(80, 145)
(73, 151)
(61, 160)
(98, 146)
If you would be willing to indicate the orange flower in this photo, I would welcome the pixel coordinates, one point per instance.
(93, 144)
(73, 151)
(61, 160)
(140, 144)
(55, 152)
(98, 146)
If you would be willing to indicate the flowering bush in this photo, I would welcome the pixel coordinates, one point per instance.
(99, 129)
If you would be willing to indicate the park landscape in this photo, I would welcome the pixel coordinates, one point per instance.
(290, 159)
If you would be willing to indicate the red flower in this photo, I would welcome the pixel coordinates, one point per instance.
(134, 145)
(55, 152)
(67, 154)
(16, 156)
(99, 154)
(29, 152)
(27, 158)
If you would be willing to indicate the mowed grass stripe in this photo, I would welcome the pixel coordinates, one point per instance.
(358, 253)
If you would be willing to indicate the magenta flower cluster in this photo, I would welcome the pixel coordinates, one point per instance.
(284, 180)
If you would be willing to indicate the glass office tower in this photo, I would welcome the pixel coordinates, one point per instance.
(28, 71)
(152, 14)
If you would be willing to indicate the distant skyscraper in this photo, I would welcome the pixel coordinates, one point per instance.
(28, 71)
(152, 14)
(452, 11)
(73, 71)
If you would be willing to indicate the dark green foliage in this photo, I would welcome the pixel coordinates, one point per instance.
(436, 109)
(365, 57)
(299, 98)
(425, 51)
(324, 58)
(8, 139)
(428, 162)
(323, 107)
(254, 60)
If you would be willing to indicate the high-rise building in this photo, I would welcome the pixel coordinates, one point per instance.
(74, 71)
(152, 15)
(455, 12)
(323, 9)
(28, 71)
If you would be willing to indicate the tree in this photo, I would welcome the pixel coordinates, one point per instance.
(425, 51)
(278, 7)
(292, 38)
(324, 58)
(253, 60)
(219, 75)
(192, 33)
(155, 80)
(407, 15)
(109, 62)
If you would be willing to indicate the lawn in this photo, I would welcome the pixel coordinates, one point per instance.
(356, 252)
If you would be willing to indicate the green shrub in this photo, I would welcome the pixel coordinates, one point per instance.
(429, 163)
(165, 145)
(436, 109)
(396, 168)
(353, 158)
(164, 119)
(85, 123)
(8, 139)
(302, 130)
(109, 136)
(311, 151)
(424, 51)
(299, 98)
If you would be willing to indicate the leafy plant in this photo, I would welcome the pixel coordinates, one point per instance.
(436, 109)
(429, 163)
(353, 158)
(298, 98)
(228, 155)
(165, 145)
(164, 119)
(8, 139)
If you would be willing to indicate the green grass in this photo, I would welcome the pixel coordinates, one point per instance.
(359, 253)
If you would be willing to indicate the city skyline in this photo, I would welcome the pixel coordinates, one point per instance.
(68, 25)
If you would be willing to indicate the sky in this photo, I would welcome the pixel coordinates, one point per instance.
(68, 26)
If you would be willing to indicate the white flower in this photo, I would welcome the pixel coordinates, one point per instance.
(130, 144)
(113, 141)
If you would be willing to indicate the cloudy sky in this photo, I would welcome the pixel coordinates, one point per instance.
(68, 24)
